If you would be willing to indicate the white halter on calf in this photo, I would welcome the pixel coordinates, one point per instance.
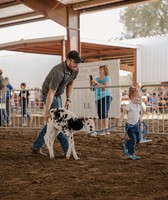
(65, 121)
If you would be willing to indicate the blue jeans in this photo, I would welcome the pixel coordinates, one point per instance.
(133, 133)
(39, 141)
(3, 116)
(103, 107)
(25, 113)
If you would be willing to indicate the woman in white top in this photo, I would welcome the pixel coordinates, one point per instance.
(132, 125)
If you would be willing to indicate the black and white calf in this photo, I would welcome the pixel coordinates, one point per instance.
(65, 121)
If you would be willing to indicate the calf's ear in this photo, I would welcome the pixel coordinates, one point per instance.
(82, 119)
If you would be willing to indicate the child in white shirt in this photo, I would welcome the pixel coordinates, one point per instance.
(133, 123)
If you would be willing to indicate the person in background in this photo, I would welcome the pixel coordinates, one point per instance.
(103, 96)
(8, 96)
(4, 119)
(24, 97)
(132, 125)
(60, 77)
(2, 81)
(163, 97)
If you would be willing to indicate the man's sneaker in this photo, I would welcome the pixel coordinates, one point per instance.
(107, 133)
(37, 151)
(125, 149)
(133, 157)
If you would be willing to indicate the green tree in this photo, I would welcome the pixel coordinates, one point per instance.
(146, 19)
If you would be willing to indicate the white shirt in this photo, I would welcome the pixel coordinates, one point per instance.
(133, 113)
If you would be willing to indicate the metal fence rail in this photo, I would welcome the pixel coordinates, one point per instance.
(154, 97)
(18, 110)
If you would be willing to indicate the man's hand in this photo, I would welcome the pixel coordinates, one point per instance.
(47, 115)
(67, 104)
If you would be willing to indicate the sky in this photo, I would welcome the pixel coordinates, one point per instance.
(101, 26)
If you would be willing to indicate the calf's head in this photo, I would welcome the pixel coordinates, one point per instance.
(89, 125)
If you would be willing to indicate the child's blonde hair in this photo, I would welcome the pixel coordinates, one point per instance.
(132, 92)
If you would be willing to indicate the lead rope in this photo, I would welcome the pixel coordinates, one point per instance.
(100, 131)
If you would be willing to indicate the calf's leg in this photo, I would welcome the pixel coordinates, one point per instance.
(73, 149)
(69, 148)
(49, 139)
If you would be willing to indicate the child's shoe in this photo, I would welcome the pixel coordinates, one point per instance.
(125, 149)
(133, 157)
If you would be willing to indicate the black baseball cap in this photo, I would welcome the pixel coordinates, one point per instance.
(75, 56)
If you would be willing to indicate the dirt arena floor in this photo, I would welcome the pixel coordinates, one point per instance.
(102, 173)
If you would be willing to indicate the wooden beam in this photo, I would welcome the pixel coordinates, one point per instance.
(17, 17)
(106, 53)
(51, 9)
(135, 69)
(91, 4)
(61, 14)
(63, 50)
(22, 22)
(95, 5)
(9, 4)
(73, 30)
(127, 68)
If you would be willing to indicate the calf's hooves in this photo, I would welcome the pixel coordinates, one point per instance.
(52, 157)
(67, 157)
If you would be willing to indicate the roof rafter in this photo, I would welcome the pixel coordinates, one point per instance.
(51, 9)
(95, 5)
(9, 4)
(22, 16)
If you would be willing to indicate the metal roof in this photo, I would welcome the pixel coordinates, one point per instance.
(13, 12)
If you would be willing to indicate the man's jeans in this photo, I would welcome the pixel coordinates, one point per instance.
(39, 141)
(134, 138)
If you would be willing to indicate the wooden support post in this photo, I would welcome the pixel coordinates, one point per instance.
(73, 30)
(135, 69)
(63, 48)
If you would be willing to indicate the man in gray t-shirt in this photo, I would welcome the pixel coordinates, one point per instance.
(61, 77)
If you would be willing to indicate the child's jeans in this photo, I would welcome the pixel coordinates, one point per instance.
(133, 132)
(25, 113)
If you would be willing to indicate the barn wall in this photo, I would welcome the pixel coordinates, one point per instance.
(29, 68)
(152, 60)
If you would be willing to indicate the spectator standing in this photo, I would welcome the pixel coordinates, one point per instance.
(24, 97)
(103, 96)
(8, 95)
(3, 114)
